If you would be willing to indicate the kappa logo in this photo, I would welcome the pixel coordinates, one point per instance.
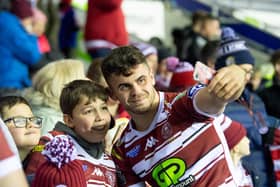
(98, 172)
(151, 141)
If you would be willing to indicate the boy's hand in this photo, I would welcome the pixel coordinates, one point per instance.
(228, 83)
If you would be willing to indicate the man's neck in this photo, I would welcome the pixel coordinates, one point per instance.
(142, 122)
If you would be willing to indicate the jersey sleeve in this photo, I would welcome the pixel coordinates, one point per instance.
(183, 108)
(9, 161)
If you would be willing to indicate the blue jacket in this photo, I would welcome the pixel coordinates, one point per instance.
(18, 51)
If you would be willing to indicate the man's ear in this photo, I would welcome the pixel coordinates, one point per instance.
(68, 120)
(111, 94)
(236, 148)
(153, 78)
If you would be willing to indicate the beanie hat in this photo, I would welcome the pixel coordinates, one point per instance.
(234, 133)
(232, 50)
(61, 168)
(163, 53)
(21, 8)
(145, 48)
(182, 77)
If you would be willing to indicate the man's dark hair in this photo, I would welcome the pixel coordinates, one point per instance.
(121, 60)
(275, 57)
(198, 16)
(73, 92)
(9, 102)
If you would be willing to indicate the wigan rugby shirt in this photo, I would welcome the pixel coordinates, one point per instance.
(182, 147)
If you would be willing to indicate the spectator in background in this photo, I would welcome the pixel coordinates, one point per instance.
(182, 76)
(19, 49)
(47, 84)
(209, 31)
(150, 53)
(208, 54)
(210, 28)
(249, 110)
(188, 41)
(68, 30)
(239, 147)
(164, 75)
(22, 9)
(22, 124)
(270, 95)
(101, 36)
(11, 173)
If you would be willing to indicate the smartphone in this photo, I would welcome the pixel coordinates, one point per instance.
(202, 73)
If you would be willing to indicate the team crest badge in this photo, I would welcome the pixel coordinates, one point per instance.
(166, 131)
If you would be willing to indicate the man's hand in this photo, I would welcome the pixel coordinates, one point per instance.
(228, 83)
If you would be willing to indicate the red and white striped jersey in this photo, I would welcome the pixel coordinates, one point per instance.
(275, 156)
(182, 147)
(9, 161)
(99, 172)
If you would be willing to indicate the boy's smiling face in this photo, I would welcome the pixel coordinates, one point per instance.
(27, 137)
(90, 119)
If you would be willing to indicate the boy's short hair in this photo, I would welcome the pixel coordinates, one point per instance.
(121, 60)
(73, 92)
(9, 102)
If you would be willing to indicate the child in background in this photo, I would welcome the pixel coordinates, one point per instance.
(150, 53)
(86, 122)
(239, 147)
(62, 167)
(22, 124)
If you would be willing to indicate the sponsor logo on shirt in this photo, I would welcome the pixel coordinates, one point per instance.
(169, 173)
(133, 152)
(194, 90)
